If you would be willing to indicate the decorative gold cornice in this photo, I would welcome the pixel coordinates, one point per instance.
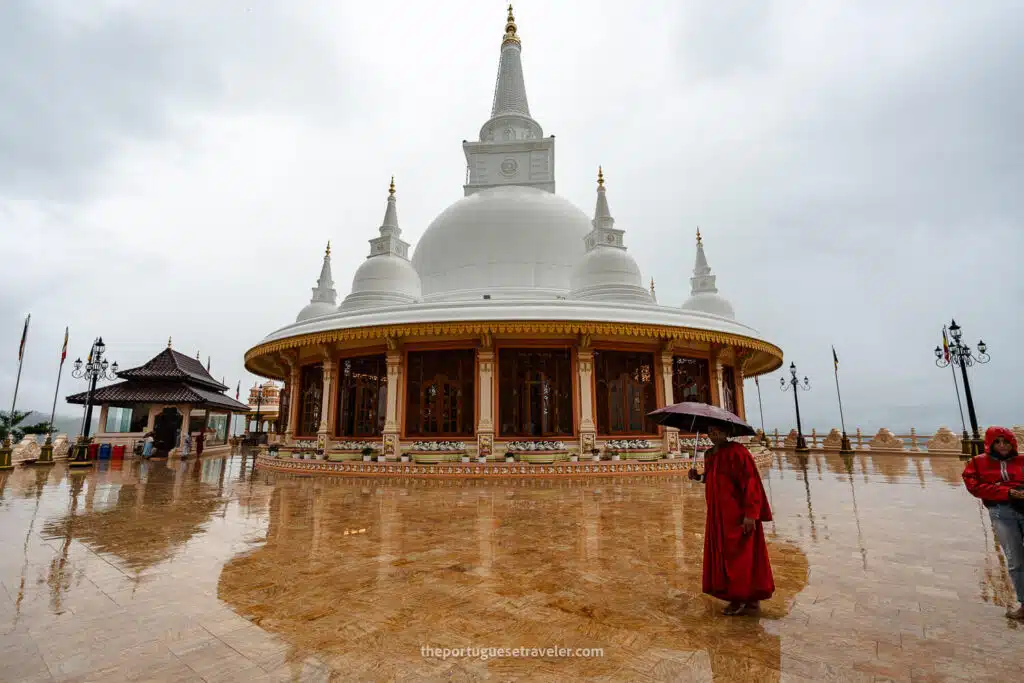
(665, 333)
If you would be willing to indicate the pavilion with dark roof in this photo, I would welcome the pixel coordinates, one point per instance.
(171, 395)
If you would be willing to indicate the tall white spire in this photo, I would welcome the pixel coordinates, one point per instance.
(390, 241)
(606, 272)
(702, 281)
(512, 149)
(510, 87)
(324, 290)
(324, 298)
(604, 234)
(704, 296)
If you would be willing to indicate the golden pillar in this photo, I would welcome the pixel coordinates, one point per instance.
(485, 396)
(585, 375)
(392, 416)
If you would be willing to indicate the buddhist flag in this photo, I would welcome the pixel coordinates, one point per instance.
(238, 389)
(64, 350)
(835, 359)
(24, 338)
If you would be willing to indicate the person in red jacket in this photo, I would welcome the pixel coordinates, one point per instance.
(997, 478)
(736, 565)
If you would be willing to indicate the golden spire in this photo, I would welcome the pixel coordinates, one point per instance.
(197, 355)
(328, 248)
(168, 342)
(391, 189)
(600, 176)
(698, 235)
(652, 286)
(510, 28)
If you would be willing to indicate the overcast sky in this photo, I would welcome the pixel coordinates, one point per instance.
(176, 168)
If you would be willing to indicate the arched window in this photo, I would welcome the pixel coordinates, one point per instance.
(535, 393)
(310, 400)
(691, 380)
(625, 392)
(440, 393)
(362, 396)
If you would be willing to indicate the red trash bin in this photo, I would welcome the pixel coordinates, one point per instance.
(94, 450)
(118, 453)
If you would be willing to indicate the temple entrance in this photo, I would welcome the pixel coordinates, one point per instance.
(165, 431)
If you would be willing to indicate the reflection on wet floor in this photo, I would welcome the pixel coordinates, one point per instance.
(208, 571)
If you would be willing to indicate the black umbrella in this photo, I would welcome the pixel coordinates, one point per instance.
(700, 417)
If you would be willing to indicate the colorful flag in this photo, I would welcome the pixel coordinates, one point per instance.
(945, 344)
(24, 338)
(835, 358)
(64, 350)
(238, 389)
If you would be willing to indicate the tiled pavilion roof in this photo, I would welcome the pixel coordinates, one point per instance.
(169, 377)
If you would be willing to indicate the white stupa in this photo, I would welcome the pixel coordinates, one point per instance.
(704, 296)
(325, 298)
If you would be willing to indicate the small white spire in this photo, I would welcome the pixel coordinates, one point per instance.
(390, 241)
(510, 87)
(324, 291)
(604, 233)
(702, 281)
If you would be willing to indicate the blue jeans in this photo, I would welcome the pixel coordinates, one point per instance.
(1009, 528)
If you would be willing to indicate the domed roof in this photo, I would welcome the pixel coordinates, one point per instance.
(508, 242)
(315, 310)
(383, 281)
(710, 302)
(704, 296)
(607, 272)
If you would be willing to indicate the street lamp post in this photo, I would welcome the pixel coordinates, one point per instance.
(795, 384)
(962, 355)
(95, 368)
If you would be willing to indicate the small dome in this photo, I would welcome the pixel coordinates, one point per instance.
(710, 302)
(316, 310)
(608, 274)
(509, 241)
(385, 280)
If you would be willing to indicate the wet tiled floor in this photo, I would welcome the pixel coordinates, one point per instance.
(207, 571)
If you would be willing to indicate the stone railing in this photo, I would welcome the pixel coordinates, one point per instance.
(943, 442)
(30, 447)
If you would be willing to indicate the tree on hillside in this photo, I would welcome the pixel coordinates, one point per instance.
(10, 424)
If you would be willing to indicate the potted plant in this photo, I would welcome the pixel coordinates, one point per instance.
(405, 457)
(574, 458)
(367, 453)
(481, 459)
(614, 454)
(509, 457)
(465, 458)
(595, 454)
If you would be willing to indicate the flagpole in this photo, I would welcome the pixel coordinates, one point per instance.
(845, 447)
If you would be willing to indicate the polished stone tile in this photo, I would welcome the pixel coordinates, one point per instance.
(206, 571)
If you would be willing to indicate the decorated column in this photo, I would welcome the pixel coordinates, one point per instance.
(715, 370)
(293, 399)
(585, 373)
(186, 417)
(670, 435)
(326, 421)
(393, 359)
(485, 396)
(742, 358)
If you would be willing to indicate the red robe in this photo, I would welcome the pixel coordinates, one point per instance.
(736, 567)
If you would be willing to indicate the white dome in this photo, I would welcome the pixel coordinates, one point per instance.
(608, 274)
(508, 242)
(315, 310)
(383, 280)
(709, 302)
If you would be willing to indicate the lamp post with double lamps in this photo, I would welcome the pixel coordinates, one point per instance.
(962, 355)
(95, 368)
(795, 384)
(259, 404)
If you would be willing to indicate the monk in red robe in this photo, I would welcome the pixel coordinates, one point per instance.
(736, 566)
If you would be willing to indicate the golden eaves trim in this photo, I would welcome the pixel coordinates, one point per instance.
(663, 332)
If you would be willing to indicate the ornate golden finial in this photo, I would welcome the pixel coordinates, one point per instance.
(328, 252)
(168, 342)
(391, 189)
(698, 235)
(197, 355)
(652, 286)
(600, 176)
(510, 28)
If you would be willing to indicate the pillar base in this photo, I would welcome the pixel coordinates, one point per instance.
(801, 445)
(81, 454)
(845, 447)
(5, 456)
(45, 455)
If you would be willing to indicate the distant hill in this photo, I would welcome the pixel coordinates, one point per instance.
(64, 424)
